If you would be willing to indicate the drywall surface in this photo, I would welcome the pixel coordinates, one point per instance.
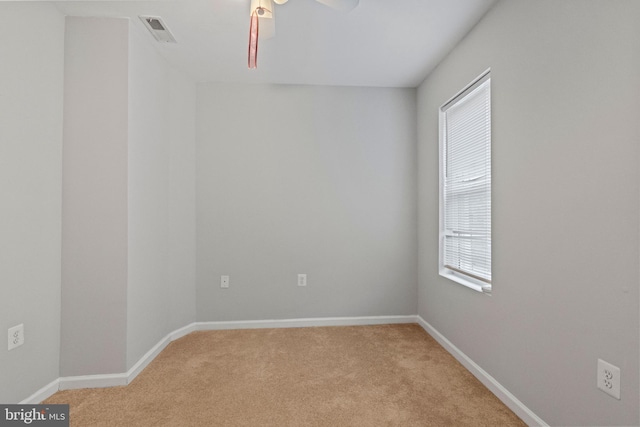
(565, 110)
(94, 197)
(313, 180)
(31, 93)
(161, 198)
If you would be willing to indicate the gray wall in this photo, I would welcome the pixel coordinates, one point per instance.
(94, 197)
(31, 82)
(315, 180)
(161, 194)
(128, 200)
(565, 205)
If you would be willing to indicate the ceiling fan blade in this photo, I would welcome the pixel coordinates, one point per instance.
(341, 5)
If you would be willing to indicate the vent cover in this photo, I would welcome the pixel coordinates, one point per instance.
(157, 27)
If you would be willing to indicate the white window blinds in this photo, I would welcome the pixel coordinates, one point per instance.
(466, 183)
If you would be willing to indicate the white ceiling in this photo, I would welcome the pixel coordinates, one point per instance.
(387, 43)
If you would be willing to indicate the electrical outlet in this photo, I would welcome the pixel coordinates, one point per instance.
(16, 336)
(609, 378)
(224, 281)
(302, 280)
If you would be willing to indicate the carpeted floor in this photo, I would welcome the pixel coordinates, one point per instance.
(387, 375)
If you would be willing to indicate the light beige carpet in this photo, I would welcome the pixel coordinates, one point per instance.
(387, 375)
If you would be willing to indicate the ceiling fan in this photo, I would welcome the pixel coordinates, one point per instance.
(263, 24)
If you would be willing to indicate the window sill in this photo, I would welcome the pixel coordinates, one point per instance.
(469, 282)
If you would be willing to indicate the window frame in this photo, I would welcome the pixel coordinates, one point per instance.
(464, 278)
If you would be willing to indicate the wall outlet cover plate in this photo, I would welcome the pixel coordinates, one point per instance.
(15, 336)
(224, 282)
(609, 378)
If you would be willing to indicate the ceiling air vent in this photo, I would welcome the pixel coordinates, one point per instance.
(158, 28)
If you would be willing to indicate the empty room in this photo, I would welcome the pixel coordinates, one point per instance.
(320, 212)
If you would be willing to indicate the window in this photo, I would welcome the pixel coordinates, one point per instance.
(465, 186)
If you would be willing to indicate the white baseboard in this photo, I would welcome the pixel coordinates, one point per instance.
(526, 414)
(43, 393)
(112, 380)
(305, 323)
(151, 354)
(93, 381)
